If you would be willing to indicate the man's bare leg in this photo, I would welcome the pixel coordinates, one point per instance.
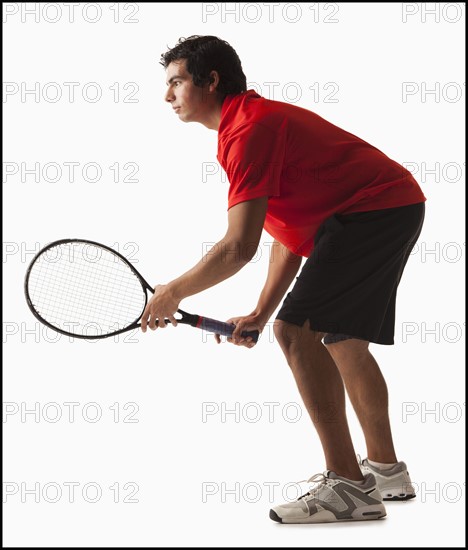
(368, 394)
(321, 388)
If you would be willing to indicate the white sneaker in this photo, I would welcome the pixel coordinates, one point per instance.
(394, 484)
(333, 499)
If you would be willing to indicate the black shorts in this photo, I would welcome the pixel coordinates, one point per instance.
(349, 283)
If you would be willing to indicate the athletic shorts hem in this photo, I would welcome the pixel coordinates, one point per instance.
(331, 329)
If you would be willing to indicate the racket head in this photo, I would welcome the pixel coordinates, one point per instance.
(85, 289)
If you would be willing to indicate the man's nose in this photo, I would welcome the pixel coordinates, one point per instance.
(169, 96)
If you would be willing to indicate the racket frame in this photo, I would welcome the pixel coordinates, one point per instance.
(144, 285)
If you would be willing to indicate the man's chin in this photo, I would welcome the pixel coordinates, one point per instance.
(184, 117)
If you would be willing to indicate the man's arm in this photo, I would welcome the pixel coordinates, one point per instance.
(227, 257)
(283, 267)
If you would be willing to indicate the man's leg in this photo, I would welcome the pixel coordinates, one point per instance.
(321, 388)
(367, 391)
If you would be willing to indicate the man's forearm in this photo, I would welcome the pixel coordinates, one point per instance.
(284, 266)
(222, 261)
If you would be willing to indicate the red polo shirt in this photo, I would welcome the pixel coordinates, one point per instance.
(309, 168)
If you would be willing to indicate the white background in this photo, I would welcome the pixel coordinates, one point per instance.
(179, 463)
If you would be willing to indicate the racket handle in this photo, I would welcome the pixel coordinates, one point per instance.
(225, 329)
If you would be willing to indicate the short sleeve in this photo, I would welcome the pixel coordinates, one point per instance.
(253, 157)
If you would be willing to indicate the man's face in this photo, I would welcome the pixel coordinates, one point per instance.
(190, 102)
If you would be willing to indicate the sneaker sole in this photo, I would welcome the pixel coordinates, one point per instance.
(397, 497)
(325, 516)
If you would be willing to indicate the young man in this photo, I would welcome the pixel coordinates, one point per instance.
(355, 214)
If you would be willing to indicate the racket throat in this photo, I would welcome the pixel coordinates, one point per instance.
(190, 319)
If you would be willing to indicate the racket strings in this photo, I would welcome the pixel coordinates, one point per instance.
(85, 289)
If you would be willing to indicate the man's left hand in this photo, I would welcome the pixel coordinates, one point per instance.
(162, 305)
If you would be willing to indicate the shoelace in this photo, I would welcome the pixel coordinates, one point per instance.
(319, 479)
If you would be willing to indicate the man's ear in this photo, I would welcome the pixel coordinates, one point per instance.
(214, 81)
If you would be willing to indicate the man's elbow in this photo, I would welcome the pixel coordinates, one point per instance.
(240, 251)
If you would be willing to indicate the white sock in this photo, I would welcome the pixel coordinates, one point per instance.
(381, 465)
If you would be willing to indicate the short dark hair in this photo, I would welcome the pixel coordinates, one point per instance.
(204, 54)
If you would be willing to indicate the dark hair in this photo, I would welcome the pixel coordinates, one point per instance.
(205, 54)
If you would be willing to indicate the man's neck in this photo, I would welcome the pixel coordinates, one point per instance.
(213, 121)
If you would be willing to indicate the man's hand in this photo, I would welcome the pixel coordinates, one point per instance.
(162, 305)
(249, 322)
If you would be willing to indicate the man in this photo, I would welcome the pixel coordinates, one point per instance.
(355, 214)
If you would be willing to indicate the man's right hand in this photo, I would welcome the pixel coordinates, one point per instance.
(244, 323)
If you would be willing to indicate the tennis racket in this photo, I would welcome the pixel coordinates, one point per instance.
(87, 290)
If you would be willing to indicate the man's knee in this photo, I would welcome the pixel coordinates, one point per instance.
(286, 333)
(293, 338)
